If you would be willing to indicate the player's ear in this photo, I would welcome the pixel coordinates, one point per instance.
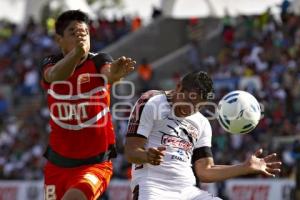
(178, 87)
(58, 39)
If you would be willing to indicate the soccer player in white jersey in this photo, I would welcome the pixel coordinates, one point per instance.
(167, 135)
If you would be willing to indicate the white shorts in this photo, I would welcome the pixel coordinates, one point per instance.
(155, 192)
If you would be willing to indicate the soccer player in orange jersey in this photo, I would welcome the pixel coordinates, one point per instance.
(82, 140)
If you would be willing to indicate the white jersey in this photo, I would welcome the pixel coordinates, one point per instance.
(153, 119)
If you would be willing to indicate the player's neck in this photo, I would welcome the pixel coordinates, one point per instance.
(170, 96)
(82, 60)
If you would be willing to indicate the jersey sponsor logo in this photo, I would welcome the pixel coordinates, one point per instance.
(183, 129)
(178, 158)
(101, 91)
(177, 142)
(182, 156)
(84, 78)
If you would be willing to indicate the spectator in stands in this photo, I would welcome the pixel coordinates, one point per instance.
(3, 106)
(228, 31)
(284, 10)
(156, 12)
(193, 56)
(136, 23)
(145, 73)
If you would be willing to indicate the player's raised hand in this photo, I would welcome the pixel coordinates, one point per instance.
(121, 67)
(268, 165)
(155, 156)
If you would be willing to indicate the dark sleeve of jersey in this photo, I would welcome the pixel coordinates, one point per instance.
(202, 152)
(48, 61)
(100, 59)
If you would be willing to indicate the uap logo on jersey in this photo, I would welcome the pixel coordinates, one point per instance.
(77, 116)
(73, 109)
(68, 111)
(177, 142)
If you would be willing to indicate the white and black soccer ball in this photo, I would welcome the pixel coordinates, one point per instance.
(238, 112)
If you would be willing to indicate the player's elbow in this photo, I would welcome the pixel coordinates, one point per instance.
(206, 180)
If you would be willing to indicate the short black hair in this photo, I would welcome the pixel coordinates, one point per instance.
(67, 17)
(199, 82)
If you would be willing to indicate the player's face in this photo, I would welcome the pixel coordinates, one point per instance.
(69, 40)
(186, 102)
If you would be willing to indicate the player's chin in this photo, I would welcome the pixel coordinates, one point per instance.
(186, 112)
(87, 44)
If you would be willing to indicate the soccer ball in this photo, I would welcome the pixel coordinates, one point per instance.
(238, 112)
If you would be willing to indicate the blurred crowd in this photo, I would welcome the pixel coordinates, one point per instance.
(260, 54)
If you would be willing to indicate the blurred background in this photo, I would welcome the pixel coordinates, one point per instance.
(248, 45)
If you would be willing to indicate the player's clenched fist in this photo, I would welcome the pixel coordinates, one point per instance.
(155, 156)
(81, 34)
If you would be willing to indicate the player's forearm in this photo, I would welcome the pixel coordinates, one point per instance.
(137, 156)
(222, 172)
(63, 69)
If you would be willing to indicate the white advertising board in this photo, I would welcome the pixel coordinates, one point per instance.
(237, 189)
(259, 189)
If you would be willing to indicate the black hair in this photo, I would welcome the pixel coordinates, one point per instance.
(67, 17)
(198, 82)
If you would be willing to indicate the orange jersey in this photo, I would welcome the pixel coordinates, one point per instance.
(81, 125)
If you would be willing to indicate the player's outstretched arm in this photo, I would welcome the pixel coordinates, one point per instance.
(64, 68)
(135, 152)
(207, 171)
(118, 69)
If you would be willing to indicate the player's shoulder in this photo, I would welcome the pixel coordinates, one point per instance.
(100, 57)
(156, 96)
(51, 59)
(200, 119)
